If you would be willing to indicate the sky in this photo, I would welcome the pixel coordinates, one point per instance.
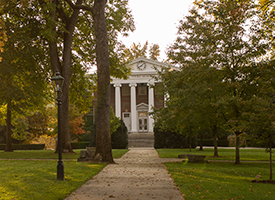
(156, 21)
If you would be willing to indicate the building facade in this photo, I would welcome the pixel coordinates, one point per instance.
(134, 98)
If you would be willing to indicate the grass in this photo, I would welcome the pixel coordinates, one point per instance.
(221, 181)
(36, 179)
(224, 154)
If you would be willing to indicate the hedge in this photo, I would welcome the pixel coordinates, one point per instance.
(120, 137)
(169, 139)
(24, 146)
(80, 145)
(221, 143)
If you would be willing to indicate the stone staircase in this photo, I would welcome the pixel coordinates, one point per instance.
(141, 140)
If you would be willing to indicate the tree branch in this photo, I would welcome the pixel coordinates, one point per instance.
(78, 6)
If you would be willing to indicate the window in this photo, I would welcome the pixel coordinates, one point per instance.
(125, 90)
(142, 89)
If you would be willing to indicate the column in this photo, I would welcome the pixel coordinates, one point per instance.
(133, 107)
(117, 100)
(151, 104)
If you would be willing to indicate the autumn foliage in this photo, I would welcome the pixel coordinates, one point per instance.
(76, 121)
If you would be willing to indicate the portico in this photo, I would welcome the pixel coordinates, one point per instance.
(133, 99)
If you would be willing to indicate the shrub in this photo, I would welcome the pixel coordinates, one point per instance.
(80, 145)
(120, 137)
(170, 139)
(221, 143)
(24, 146)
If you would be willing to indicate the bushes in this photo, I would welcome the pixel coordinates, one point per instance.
(169, 139)
(80, 145)
(221, 143)
(24, 146)
(120, 137)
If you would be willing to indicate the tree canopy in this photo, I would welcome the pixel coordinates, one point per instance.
(217, 52)
(67, 36)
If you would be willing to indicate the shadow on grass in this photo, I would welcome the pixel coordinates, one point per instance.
(36, 180)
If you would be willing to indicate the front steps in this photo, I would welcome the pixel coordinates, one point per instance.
(140, 140)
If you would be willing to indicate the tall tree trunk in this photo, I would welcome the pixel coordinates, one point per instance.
(190, 141)
(66, 73)
(8, 131)
(214, 129)
(270, 156)
(103, 135)
(237, 156)
(201, 142)
(65, 68)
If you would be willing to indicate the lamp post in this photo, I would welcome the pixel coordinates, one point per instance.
(57, 82)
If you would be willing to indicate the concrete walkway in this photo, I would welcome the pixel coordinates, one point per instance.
(138, 175)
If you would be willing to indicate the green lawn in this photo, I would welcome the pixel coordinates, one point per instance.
(224, 154)
(36, 179)
(221, 180)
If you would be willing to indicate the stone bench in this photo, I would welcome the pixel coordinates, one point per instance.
(192, 158)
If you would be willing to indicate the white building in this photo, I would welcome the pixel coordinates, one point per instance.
(134, 98)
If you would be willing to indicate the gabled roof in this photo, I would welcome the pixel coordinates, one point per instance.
(149, 66)
(143, 70)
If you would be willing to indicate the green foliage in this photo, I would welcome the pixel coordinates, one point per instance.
(115, 128)
(218, 58)
(80, 145)
(171, 139)
(120, 137)
(114, 122)
(221, 143)
(20, 130)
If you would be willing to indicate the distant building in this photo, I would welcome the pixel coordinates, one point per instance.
(134, 98)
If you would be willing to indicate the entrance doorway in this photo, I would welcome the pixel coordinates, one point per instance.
(143, 122)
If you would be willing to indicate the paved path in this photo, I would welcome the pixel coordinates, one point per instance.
(138, 175)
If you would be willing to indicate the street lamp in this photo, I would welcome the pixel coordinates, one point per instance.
(57, 82)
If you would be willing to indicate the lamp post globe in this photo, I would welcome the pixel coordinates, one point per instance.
(57, 82)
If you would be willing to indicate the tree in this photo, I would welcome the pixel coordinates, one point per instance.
(76, 121)
(238, 50)
(137, 50)
(103, 135)
(215, 53)
(197, 85)
(70, 22)
(154, 52)
(261, 127)
(64, 25)
(23, 81)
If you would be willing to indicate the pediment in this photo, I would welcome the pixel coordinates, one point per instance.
(142, 106)
(143, 70)
(145, 66)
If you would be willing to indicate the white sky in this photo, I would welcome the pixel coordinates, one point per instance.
(156, 21)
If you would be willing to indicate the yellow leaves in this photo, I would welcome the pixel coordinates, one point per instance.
(267, 5)
(2, 39)
(3, 110)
